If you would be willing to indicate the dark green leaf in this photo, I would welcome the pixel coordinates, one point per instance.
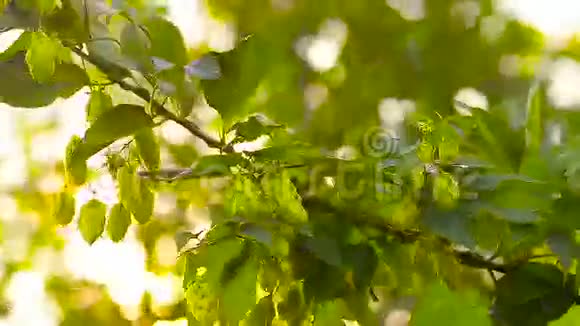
(121, 121)
(19, 89)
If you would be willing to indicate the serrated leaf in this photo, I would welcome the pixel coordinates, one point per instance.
(118, 222)
(279, 187)
(92, 220)
(166, 41)
(121, 121)
(239, 294)
(441, 306)
(64, 209)
(19, 89)
(99, 102)
(75, 165)
(148, 148)
(201, 301)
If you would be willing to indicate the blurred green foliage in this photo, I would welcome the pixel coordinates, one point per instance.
(351, 206)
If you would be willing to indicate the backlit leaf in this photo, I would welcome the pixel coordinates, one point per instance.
(148, 148)
(118, 222)
(64, 208)
(99, 102)
(74, 164)
(92, 220)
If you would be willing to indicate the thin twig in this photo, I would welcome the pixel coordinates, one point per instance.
(143, 93)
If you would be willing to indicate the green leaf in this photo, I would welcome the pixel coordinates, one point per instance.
(239, 294)
(45, 6)
(121, 121)
(215, 165)
(533, 294)
(64, 208)
(118, 222)
(279, 187)
(148, 148)
(135, 45)
(41, 57)
(328, 314)
(201, 301)
(535, 115)
(440, 306)
(571, 318)
(263, 312)
(19, 89)
(252, 129)
(258, 233)
(21, 44)
(166, 41)
(99, 102)
(135, 194)
(326, 249)
(75, 166)
(92, 220)
(142, 206)
(565, 246)
(241, 74)
(220, 254)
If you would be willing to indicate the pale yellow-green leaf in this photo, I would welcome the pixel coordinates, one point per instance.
(75, 165)
(41, 56)
(92, 220)
(64, 208)
(148, 148)
(99, 102)
(118, 222)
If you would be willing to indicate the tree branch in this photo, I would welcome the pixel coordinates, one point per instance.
(144, 94)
